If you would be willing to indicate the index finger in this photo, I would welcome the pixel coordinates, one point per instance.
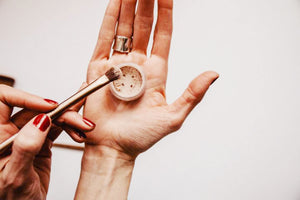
(10, 97)
(23, 116)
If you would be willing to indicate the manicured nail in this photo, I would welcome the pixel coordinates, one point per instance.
(51, 101)
(42, 122)
(214, 81)
(80, 133)
(89, 122)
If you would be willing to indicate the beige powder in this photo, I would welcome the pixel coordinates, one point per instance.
(130, 83)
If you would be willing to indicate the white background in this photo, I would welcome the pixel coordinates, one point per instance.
(241, 143)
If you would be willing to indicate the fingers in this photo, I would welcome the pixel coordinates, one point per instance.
(28, 143)
(23, 116)
(125, 23)
(107, 31)
(75, 125)
(17, 173)
(143, 25)
(76, 134)
(191, 96)
(76, 121)
(10, 97)
(72, 123)
(163, 29)
(14, 97)
(77, 128)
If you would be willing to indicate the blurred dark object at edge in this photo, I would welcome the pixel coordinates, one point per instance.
(7, 80)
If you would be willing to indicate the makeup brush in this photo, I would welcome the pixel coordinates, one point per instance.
(112, 74)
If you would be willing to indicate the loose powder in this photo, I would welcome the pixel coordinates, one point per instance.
(130, 84)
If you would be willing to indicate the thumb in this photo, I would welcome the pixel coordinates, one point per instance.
(192, 95)
(30, 140)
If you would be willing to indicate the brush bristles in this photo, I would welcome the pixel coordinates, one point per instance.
(113, 73)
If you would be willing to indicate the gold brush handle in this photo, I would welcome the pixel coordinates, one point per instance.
(81, 94)
(62, 107)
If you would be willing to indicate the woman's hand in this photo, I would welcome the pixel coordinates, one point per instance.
(125, 129)
(133, 127)
(25, 174)
(25, 168)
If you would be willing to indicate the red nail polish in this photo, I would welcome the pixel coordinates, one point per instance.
(51, 101)
(42, 122)
(89, 122)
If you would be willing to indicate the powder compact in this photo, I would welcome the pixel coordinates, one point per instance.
(131, 85)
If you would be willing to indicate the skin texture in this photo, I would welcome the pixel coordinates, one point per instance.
(133, 127)
(25, 168)
(126, 129)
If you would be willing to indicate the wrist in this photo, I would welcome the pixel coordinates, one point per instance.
(97, 157)
(96, 152)
(104, 171)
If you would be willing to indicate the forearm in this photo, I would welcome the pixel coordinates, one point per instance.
(105, 174)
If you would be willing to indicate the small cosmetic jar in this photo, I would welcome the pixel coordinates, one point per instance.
(132, 83)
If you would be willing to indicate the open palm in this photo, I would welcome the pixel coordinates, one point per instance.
(133, 127)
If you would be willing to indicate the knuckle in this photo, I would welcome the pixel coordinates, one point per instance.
(125, 26)
(176, 121)
(3, 182)
(17, 183)
(27, 147)
(62, 119)
(190, 95)
(143, 22)
(107, 36)
(69, 118)
(12, 182)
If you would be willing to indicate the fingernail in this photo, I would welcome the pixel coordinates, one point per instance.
(89, 122)
(80, 133)
(214, 80)
(42, 122)
(51, 101)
